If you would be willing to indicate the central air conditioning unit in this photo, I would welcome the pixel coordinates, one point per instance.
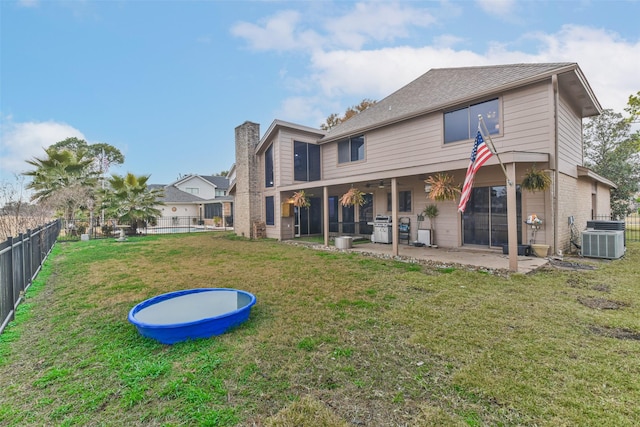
(602, 244)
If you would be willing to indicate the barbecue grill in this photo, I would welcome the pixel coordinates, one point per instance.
(382, 229)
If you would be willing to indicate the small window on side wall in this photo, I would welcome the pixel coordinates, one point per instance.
(270, 212)
(351, 150)
(462, 124)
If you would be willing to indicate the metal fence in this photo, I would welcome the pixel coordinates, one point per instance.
(631, 225)
(20, 261)
(75, 230)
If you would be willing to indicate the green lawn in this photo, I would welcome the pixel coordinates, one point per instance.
(334, 339)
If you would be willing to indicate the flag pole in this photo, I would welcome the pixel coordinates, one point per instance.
(481, 126)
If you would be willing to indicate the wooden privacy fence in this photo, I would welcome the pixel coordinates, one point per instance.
(20, 261)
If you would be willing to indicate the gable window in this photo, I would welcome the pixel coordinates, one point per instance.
(404, 201)
(270, 213)
(306, 161)
(268, 167)
(192, 190)
(351, 150)
(462, 124)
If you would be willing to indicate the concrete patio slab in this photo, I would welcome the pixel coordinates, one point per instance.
(489, 259)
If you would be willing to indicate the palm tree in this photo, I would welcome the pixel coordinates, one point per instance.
(63, 179)
(129, 200)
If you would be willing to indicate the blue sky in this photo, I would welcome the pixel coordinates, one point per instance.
(167, 82)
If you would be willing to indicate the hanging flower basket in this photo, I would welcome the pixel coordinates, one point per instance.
(353, 197)
(442, 187)
(535, 180)
(300, 199)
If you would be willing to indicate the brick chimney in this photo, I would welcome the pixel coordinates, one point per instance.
(248, 201)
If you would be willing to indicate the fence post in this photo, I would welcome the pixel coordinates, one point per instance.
(11, 295)
(23, 279)
(29, 261)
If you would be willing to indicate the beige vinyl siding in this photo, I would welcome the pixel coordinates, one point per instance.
(527, 126)
(286, 137)
(569, 139)
(526, 120)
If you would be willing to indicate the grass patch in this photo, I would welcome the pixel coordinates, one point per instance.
(335, 339)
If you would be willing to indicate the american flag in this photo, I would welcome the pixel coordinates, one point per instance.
(479, 155)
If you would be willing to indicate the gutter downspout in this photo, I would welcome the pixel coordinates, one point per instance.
(556, 173)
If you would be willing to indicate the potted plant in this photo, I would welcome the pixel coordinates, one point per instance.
(353, 197)
(441, 187)
(300, 199)
(431, 212)
(535, 180)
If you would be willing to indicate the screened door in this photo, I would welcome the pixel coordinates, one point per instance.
(308, 221)
(484, 221)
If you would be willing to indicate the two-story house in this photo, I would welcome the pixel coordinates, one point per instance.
(533, 114)
(202, 198)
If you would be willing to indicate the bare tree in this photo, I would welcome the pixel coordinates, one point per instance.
(17, 215)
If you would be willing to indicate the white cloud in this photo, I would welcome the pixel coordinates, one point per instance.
(28, 3)
(300, 109)
(377, 73)
(366, 22)
(498, 8)
(23, 141)
(340, 69)
(608, 62)
(376, 22)
(279, 32)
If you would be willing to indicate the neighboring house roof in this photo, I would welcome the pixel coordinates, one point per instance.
(444, 88)
(221, 182)
(216, 181)
(174, 195)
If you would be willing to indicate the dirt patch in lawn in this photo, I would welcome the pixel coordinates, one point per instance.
(601, 303)
(619, 333)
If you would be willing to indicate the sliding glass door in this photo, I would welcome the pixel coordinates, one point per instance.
(484, 221)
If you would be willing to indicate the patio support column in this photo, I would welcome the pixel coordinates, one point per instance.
(512, 218)
(394, 216)
(325, 214)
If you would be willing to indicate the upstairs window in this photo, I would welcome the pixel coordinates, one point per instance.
(306, 161)
(268, 167)
(462, 124)
(192, 190)
(351, 150)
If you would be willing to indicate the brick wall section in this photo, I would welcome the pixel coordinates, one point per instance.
(576, 199)
(248, 202)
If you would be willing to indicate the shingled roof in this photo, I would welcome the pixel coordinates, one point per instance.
(221, 182)
(174, 195)
(442, 88)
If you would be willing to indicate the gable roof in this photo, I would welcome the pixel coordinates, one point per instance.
(442, 88)
(221, 182)
(174, 195)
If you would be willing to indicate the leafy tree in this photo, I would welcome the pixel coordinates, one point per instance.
(64, 179)
(334, 120)
(104, 155)
(129, 200)
(633, 108)
(612, 151)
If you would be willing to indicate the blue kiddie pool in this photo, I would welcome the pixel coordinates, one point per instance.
(191, 314)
